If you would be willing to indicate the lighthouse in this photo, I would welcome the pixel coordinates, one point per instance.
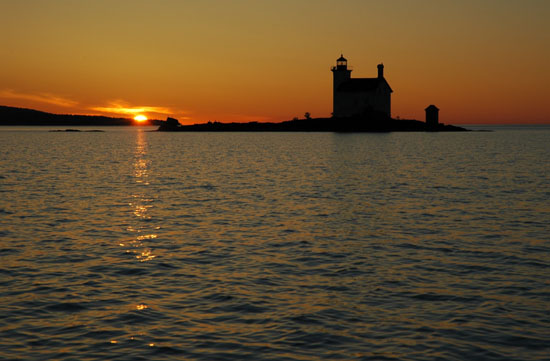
(363, 97)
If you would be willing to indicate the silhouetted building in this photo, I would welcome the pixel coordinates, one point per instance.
(359, 96)
(432, 115)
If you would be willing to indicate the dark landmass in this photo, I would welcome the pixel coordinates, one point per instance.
(76, 130)
(22, 116)
(368, 123)
(352, 124)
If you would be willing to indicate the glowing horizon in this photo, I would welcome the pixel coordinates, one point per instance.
(478, 62)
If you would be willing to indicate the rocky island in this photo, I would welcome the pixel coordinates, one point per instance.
(359, 105)
(378, 123)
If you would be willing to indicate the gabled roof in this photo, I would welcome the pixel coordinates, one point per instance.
(362, 85)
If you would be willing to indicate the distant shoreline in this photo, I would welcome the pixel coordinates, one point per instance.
(13, 116)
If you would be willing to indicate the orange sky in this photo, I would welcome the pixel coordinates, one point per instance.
(479, 61)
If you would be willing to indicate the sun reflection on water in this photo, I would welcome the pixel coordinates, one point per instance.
(141, 203)
(141, 306)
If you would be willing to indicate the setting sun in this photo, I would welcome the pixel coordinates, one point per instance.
(140, 118)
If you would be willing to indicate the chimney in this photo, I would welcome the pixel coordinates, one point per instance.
(380, 71)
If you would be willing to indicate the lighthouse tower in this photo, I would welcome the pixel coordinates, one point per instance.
(341, 74)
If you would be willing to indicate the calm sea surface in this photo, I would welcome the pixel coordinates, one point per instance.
(134, 245)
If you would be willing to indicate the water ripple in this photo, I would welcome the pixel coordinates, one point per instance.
(274, 246)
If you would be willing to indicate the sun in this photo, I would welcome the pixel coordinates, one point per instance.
(140, 118)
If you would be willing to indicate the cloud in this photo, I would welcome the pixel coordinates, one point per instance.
(119, 107)
(38, 97)
(115, 107)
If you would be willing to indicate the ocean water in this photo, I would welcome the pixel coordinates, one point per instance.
(135, 245)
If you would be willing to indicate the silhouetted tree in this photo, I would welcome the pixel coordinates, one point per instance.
(307, 115)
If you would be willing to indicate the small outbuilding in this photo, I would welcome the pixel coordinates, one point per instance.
(432, 115)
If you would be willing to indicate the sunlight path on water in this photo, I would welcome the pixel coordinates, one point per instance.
(142, 203)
